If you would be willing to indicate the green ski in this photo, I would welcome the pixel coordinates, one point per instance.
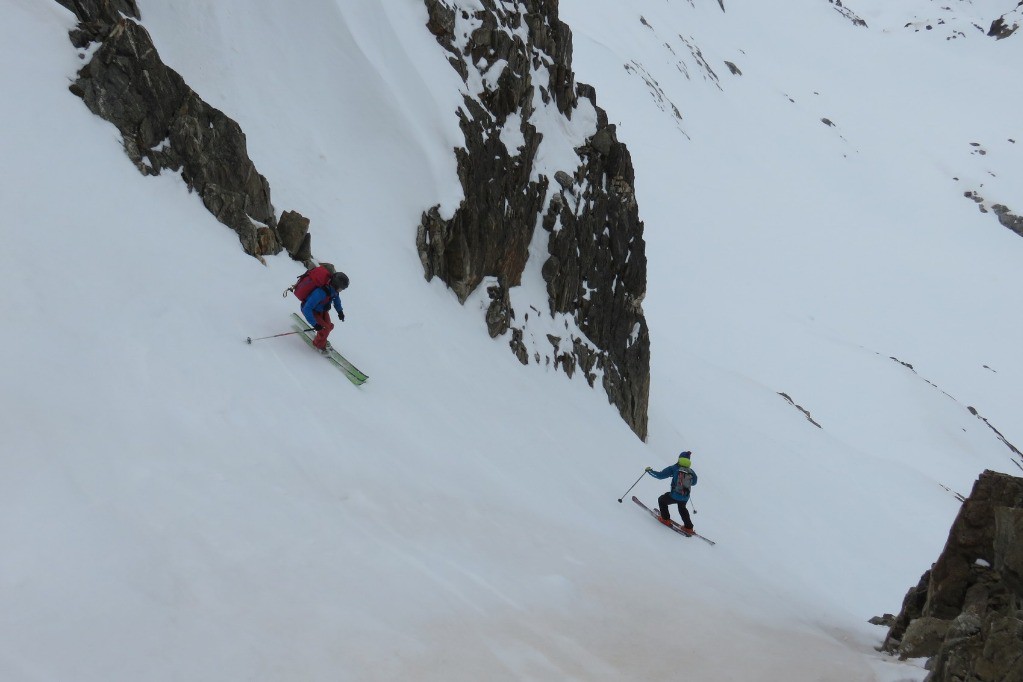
(354, 374)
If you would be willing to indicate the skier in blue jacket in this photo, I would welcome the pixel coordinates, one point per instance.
(682, 479)
(316, 308)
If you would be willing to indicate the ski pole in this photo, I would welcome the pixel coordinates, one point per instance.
(631, 487)
(249, 339)
(692, 503)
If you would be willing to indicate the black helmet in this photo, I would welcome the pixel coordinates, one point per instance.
(339, 280)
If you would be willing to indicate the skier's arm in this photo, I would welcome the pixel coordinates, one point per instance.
(664, 473)
(338, 308)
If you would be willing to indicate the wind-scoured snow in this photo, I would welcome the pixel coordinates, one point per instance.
(178, 505)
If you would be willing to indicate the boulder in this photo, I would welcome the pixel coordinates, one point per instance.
(293, 228)
(923, 637)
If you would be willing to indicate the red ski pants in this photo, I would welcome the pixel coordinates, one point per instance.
(323, 319)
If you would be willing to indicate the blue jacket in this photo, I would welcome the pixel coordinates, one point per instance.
(673, 472)
(319, 302)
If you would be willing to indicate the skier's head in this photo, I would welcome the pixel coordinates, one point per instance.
(339, 281)
(685, 459)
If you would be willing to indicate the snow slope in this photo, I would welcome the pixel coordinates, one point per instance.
(179, 505)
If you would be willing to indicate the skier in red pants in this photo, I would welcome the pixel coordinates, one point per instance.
(316, 308)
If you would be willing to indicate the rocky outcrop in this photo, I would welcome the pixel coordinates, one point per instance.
(848, 13)
(165, 125)
(1008, 219)
(1005, 215)
(966, 613)
(515, 61)
(1007, 24)
(596, 270)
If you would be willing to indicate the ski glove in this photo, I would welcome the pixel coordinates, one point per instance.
(318, 327)
(341, 316)
(648, 469)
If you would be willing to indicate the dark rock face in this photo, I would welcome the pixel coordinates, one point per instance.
(595, 269)
(966, 613)
(1004, 26)
(166, 125)
(97, 16)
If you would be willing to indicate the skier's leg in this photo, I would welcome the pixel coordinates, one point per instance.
(686, 520)
(322, 319)
(662, 502)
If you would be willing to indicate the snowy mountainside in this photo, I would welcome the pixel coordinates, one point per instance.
(950, 21)
(178, 505)
(826, 213)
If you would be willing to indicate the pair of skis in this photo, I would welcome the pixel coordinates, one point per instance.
(354, 374)
(675, 526)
